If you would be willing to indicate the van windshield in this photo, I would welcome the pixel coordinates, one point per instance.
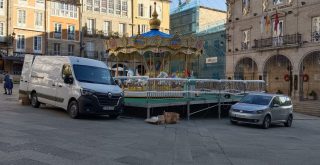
(91, 74)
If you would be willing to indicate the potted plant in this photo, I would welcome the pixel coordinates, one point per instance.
(313, 95)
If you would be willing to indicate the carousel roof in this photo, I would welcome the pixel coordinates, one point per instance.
(156, 33)
(155, 41)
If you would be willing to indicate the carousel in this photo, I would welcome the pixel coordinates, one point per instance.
(154, 53)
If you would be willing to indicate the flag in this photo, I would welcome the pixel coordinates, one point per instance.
(276, 22)
(262, 23)
(268, 21)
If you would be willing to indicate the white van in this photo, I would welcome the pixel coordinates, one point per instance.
(78, 85)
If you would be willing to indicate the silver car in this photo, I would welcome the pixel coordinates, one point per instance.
(262, 109)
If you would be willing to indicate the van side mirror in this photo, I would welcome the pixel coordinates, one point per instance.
(68, 80)
(118, 82)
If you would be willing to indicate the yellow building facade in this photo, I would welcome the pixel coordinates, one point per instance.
(142, 12)
(27, 27)
(63, 28)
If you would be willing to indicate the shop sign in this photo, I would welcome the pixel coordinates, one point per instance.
(211, 60)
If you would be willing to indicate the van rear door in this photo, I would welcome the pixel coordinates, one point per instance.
(25, 76)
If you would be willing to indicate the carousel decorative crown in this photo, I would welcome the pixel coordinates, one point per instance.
(154, 21)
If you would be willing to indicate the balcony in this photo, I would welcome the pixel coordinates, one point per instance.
(71, 36)
(245, 45)
(285, 41)
(315, 36)
(57, 35)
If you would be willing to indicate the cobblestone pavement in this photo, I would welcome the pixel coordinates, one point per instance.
(48, 136)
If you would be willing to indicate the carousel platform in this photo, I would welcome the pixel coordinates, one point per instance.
(205, 100)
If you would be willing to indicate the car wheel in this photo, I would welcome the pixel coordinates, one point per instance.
(266, 122)
(288, 123)
(233, 122)
(114, 116)
(73, 109)
(34, 100)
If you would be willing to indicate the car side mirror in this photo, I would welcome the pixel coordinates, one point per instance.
(68, 80)
(276, 105)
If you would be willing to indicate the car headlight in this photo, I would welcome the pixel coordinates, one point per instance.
(260, 111)
(86, 92)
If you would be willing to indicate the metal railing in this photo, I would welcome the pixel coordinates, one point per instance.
(188, 91)
(315, 36)
(276, 42)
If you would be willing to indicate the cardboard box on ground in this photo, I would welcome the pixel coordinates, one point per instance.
(166, 118)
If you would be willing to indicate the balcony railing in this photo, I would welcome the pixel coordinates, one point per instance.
(315, 36)
(57, 35)
(278, 42)
(71, 36)
(245, 45)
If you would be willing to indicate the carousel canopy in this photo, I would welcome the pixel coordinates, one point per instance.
(156, 33)
(155, 41)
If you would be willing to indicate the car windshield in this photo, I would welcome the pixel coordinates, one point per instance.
(91, 74)
(256, 99)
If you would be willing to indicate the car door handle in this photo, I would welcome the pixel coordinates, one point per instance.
(60, 86)
(25, 81)
(53, 85)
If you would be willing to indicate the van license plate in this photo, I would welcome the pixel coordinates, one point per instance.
(108, 108)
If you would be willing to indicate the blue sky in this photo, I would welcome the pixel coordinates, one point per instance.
(217, 4)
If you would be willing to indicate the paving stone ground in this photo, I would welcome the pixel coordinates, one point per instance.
(47, 135)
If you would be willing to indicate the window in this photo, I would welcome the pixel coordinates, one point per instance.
(140, 10)
(276, 2)
(57, 31)
(90, 26)
(245, 40)
(90, 49)
(245, 7)
(111, 6)
(143, 28)
(56, 49)
(124, 8)
(1, 4)
(122, 29)
(1, 29)
(150, 11)
(106, 28)
(39, 18)
(104, 5)
(118, 7)
(71, 32)
(97, 5)
(64, 10)
(316, 29)
(39, 3)
(89, 4)
(20, 43)
(37, 43)
(21, 17)
(70, 50)
(66, 71)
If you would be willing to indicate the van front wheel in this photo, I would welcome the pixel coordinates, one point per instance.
(34, 100)
(73, 109)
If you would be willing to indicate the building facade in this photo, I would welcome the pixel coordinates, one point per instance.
(100, 20)
(4, 42)
(63, 28)
(209, 25)
(26, 25)
(142, 13)
(277, 41)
